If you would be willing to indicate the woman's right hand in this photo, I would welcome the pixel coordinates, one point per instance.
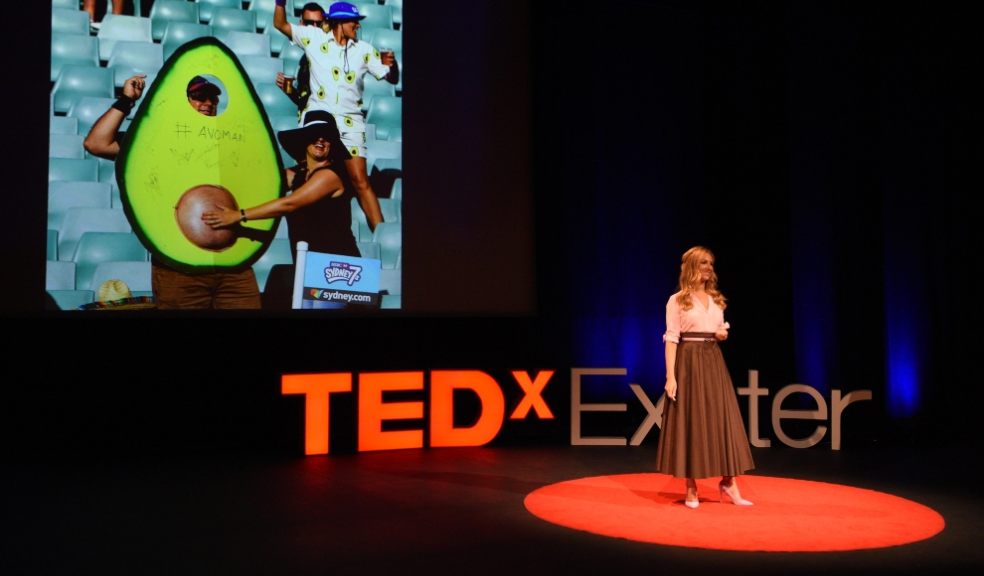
(671, 388)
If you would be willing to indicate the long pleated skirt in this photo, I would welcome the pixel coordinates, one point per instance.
(702, 434)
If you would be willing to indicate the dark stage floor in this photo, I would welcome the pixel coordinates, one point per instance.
(454, 511)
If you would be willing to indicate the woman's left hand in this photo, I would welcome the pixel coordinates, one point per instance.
(221, 218)
(721, 334)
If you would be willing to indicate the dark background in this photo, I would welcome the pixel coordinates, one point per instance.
(561, 160)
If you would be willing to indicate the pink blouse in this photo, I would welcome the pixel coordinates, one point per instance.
(697, 319)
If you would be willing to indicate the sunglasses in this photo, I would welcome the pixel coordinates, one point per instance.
(203, 96)
(312, 22)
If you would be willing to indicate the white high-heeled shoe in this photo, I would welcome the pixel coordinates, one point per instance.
(691, 503)
(732, 492)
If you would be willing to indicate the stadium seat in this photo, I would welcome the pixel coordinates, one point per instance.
(396, 192)
(387, 114)
(391, 209)
(75, 82)
(389, 235)
(207, 8)
(59, 275)
(387, 38)
(66, 194)
(397, 6)
(70, 4)
(95, 248)
(117, 27)
(178, 33)
(87, 110)
(73, 169)
(360, 225)
(69, 21)
(71, 299)
(278, 42)
(291, 55)
(262, 69)
(63, 125)
(233, 19)
(390, 302)
(73, 50)
(165, 11)
(132, 58)
(51, 245)
(372, 88)
(391, 280)
(245, 43)
(66, 146)
(376, 15)
(369, 250)
(78, 221)
(275, 102)
(277, 253)
(264, 12)
(135, 273)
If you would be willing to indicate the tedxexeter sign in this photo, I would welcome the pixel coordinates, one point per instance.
(373, 411)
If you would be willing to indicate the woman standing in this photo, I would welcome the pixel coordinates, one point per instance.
(703, 434)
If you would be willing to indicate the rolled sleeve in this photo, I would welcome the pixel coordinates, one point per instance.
(672, 333)
(375, 65)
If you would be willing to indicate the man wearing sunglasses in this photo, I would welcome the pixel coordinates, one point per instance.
(311, 15)
(174, 289)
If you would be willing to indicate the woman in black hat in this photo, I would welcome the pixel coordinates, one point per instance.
(318, 209)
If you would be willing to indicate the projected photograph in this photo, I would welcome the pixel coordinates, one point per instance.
(225, 154)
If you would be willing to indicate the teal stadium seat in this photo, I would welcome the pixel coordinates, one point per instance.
(245, 43)
(178, 33)
(396, 192)
(233, 19)
(388, 164)
(386, 113)
(291, 55)
(51, 245)
(66, 146)
(372, 88)
(282, 230)
(136, 274)
(59, 275)
(207, 8)
(262, 69)
(278, 42)
(376, 15)
(67, 194)
(277, 253)
(387, 38)
(71, 299)
(72, 4)
(390, 302)
(63, 125)
(397, 6)
(96, 248)
(275, 102)
(75, 82)
(73, 50)
(132, 58)
(78, 221)
(391, 280)
(360, 225)
(165, 11)
(69, 21)
(73, 169)
(389, 236)
(391, 209)
(87, 110)
(368, 250)
(117, 27)
(107, 171)
(264, 12)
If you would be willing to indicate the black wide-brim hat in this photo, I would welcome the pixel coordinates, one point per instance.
(316, 123)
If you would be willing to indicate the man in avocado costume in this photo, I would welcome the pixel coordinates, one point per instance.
(338, 62)
(177, 289)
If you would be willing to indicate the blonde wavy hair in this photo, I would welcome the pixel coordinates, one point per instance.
(690, 278)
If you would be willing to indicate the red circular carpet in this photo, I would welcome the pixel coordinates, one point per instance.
(788, 515)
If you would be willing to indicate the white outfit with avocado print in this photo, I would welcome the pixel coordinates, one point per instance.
(336, 80)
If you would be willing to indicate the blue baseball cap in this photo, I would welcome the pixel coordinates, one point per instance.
(344, 11)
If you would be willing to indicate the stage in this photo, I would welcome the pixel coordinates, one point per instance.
(453, 511)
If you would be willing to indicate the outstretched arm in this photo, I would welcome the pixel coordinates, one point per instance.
(280, 18)
(101, 140)
(324, 183)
